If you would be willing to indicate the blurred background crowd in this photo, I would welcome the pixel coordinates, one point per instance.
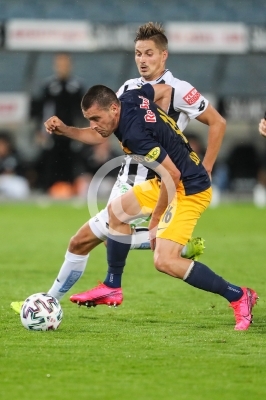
(44, 74)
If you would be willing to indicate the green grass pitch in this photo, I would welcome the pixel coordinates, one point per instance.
(166, 341)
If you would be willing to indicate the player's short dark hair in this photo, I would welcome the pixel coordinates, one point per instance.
(100, 94)
(153, 31)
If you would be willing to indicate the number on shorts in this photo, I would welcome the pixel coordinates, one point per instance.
(168, 214)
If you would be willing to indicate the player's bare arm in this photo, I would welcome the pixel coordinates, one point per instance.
(170, 176)
(262, 127)
(217, 125)
(86, 135)
(162, 95)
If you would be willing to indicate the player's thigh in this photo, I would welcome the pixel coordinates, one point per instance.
(168, 249)
(181, 216)
(137, 202)
(147, 194)
(124, 208)
(84, 238)
(99, 224)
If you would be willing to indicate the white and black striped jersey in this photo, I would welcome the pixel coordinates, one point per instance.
(186, 104)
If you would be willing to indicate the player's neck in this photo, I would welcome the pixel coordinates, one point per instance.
(154, 77)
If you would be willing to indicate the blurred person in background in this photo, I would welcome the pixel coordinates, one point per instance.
(259, 191)
(58, 164)
(91, 159)
(262, 126)
(244, 164)
(196, 144)
(13, 184)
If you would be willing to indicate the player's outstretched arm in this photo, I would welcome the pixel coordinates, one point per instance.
(217, 126)
(262, 126)
(85, 135)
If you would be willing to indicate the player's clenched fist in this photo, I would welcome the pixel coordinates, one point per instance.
(55, 125)
(262, 127)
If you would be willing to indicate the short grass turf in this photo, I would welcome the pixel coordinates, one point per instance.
(166, 341)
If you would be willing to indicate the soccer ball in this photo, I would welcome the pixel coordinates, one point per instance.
(41, 312)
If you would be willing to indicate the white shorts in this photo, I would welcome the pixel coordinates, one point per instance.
(100, 223)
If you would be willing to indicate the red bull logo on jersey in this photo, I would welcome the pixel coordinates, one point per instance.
(150, 116)
(145, 103)
(192, 96)
(153, 154)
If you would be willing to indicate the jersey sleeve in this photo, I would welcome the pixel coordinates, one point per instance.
(188, 99)
(121, 90)
(147, 90)
(128, 85)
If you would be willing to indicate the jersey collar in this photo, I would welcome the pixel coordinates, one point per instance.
(143, 81)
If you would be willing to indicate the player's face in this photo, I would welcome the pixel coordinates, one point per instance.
(103, 120)
(62, 65)
(149, 59)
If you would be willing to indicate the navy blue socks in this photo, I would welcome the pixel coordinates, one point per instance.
(204, 278)
(200, 276)
(117, 251)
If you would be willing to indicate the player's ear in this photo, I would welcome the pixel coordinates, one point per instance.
(165, 55)
(114, 107)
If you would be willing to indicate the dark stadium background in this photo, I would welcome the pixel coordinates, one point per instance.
(234, 82)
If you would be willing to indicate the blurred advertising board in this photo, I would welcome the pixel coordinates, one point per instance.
(258, 39)
(49, 35)
(207, 37)
(24, 34)
(242, 108)
(14, 108)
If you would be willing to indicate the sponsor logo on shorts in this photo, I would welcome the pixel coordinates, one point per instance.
(123, 189)
(138, 158)
(153, 154)
(192, 96)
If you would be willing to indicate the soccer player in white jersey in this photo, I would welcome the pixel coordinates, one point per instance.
(151, 52)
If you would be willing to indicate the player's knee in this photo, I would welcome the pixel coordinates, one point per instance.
(160, 263)
(74, 243)
(80, 246)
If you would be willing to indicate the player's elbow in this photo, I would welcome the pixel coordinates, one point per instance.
(174, 177)
(221, 122)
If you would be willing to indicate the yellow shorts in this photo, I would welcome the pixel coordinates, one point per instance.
(181, 216)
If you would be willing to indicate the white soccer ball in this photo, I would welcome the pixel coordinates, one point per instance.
(41, 312)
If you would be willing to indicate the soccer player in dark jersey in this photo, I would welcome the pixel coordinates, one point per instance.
(151, 52)
(176, 199)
